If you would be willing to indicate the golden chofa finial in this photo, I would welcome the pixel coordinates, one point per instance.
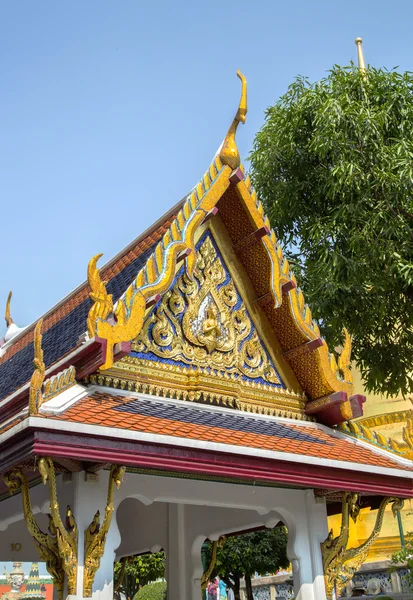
(362, 64)
(229, 154)
(7, 316)
(102, 301)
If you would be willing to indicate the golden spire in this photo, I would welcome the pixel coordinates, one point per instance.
(7, 316)
(229, 154)
(362, 64)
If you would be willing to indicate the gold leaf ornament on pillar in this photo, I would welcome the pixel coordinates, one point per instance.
(95, 534)
(66, 533)
(46, 543)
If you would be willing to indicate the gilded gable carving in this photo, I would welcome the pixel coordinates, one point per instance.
(204, 323)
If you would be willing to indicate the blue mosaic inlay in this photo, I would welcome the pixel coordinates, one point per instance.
(149, 355)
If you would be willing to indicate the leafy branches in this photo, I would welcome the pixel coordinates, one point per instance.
(333, 165)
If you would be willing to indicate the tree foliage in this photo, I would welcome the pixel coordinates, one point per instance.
(261, 552)
(138, 571)
(333, 165)
(153, 591)
(404, 556)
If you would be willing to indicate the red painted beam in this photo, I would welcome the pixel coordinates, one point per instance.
(207, 463)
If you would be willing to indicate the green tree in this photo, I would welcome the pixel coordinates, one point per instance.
(333, 166)
(132, 573)
(404, 556)
(261, 552)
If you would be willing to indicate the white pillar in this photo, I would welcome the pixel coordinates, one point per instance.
(180, 560)
(310, 530)
(90, 496)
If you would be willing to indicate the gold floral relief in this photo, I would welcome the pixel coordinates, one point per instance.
(203, 322)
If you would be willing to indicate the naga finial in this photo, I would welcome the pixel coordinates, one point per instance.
(36, 382)
(229, 154)
(362, 64)
(344, 360)
(102, 301)
(7, 316)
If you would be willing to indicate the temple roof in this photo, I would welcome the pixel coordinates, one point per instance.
(181, 423)
(65, 323)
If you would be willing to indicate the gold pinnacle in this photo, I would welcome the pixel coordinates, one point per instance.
(362, 64)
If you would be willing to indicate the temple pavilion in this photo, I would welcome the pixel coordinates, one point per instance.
(184, 393)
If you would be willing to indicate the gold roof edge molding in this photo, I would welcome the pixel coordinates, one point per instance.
(157, 275)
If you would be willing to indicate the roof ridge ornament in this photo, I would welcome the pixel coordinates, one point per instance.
(102, 301)
(360, 55)
(7, 316)
(36, 382)
(229, 153)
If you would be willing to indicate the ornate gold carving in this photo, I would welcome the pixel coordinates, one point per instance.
(158, 273)
(300, 312)
(46, 543)
(7, 315)
(36, 382)
(102, 301)
(215, 545)
(340, 563)
(66, 534)
(332, 549)
(229, 153)
(353, 558)
(59, 383)
(344, 360)
(198, 323)
(212, 386)
(95, 534)
(385, 419)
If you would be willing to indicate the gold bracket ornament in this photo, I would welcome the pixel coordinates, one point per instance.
(66, 534)
(46, 543)
(102, 305)
(340, 563)
(215, 545)
(36, 382)
(7, 316)
(229, 153)
(332, 549)
(353, 558)
(95, 534)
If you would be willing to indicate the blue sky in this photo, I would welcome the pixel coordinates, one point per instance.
(111, 111)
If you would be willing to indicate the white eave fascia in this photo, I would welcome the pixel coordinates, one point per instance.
(100, 431)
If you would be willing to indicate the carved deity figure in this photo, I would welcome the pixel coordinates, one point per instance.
(16, 580)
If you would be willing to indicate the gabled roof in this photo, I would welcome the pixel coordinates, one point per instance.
(64, 324)
(146, 270)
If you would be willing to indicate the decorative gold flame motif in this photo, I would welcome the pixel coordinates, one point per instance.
(36, 382)
(229, 154)
(7, 316)
(102, 301)
(360, 55)
(344, 360)
(203, 323)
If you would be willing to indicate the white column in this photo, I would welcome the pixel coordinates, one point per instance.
(310, 530)
(90, 496)
(180, 567)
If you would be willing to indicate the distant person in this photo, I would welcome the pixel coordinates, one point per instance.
(212, 590)
(230, 594)
(222, 590)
